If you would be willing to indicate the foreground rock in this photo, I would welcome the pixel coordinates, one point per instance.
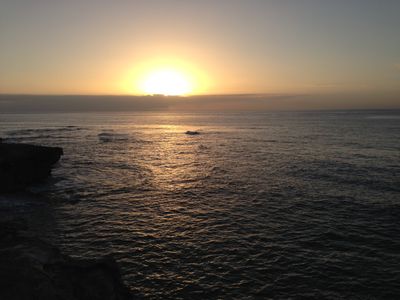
(33, 269)
(23, 164)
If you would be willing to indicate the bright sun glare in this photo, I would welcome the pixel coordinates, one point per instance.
(165, 76)
(166, 82)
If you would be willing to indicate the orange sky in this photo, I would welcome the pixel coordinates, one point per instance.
(103, 47)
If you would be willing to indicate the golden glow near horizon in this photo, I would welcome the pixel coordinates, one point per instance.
(169, 77)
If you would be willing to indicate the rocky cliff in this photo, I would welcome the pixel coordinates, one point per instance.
(23, 164)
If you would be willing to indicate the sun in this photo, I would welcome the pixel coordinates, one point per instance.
(168, 82)
(169, 76)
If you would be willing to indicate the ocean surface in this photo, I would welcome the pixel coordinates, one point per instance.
(288, 205)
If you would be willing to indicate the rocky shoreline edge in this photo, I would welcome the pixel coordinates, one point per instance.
(32, 268)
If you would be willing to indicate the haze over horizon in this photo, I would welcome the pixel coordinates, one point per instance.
(313, 54)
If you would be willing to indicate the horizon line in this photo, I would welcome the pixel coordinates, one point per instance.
(150, 95)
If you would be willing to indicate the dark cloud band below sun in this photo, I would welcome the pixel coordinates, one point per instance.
(218, 103)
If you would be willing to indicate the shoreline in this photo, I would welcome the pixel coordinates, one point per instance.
(32, 267)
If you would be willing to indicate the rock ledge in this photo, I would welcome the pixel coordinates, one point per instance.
(24, 164)
(33, 269)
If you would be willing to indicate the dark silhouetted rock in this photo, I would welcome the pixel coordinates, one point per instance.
(23, 164)
(33, 269)
(192, 132)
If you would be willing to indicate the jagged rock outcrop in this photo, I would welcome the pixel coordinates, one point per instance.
(33, 269)
(24, 164)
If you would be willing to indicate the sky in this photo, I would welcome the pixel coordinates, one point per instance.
(344, 49)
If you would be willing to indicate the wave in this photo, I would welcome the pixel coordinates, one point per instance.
(20, 132)
(107, 137)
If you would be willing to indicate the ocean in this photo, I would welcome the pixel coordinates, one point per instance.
(279, 205)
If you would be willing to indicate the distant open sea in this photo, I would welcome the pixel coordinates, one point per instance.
(287, 205)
